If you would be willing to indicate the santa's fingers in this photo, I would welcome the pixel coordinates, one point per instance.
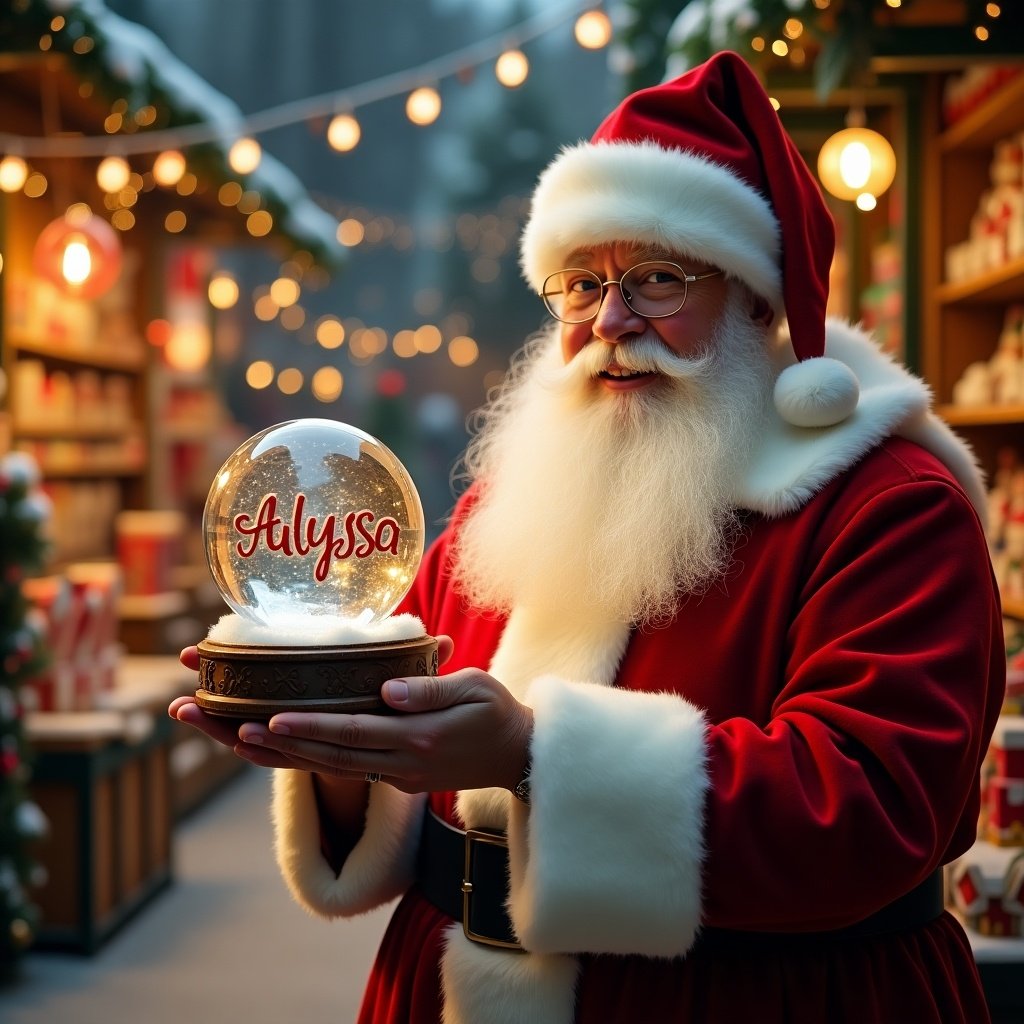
(326, 754)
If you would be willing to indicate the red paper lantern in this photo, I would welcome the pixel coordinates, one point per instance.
(80, 253)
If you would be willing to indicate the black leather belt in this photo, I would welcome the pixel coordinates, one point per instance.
(465, 875)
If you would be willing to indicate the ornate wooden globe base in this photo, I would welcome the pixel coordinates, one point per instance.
(255, 682)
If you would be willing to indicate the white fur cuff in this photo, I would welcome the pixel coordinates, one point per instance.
(608, 857)
(379, 868)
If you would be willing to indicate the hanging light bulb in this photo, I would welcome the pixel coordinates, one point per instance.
(511, 68)
(343, 133)
(245, 155)
(593, 30)
(423, 105)
(222, 290)
(79, 253)
(76, 262)
(169, 168)
(113, 174)
(856, 161)
(13, 172)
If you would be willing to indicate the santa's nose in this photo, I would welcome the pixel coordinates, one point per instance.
(615, 321)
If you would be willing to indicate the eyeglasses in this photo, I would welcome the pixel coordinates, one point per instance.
(651, 290)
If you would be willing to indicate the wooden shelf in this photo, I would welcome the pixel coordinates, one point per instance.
(131, 360)
(75, 432)
(1006, 284)
(981, 415)
(152, 606)
(995, 119)
(99, 469)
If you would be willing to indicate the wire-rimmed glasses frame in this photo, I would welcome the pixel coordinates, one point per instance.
(650, 299)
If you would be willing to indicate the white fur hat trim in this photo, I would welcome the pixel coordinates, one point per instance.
(596, 193)
(817, 392)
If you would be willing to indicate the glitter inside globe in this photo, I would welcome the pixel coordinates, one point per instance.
(313, 518)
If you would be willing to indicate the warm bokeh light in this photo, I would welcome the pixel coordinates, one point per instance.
(793, 28)
(327, 384)
(593, 30)
(188, 349)
(428, 338)
(463, 351)
(249, 201)
(330, 333)
(13, 173)
(259, 374)
(289, 381)
(175, 221)
(259, 223)
(123, 220)
(187, 184)
(780, 47)
(80, 253)
(76, 263)
(158, 332)
(404, 344)
(423, 105)
(292, 318)
(854, 161)
(981, 34)
(512, 68)
(375, 340)
(343, 133)
(265, 308)
(285, 291)
(222, 290)
(35, 185)
(245, 156)
(113, 173)
(229, 193)
(866, 201)
(350, 232)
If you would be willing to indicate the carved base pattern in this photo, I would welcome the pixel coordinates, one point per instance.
(257, 682)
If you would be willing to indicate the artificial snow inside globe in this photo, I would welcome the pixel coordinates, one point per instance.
(314, 533)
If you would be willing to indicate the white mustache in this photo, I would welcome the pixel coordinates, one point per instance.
(639, 355)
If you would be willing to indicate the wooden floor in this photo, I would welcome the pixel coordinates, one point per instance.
(224, 943)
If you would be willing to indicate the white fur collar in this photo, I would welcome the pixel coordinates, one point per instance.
(794, 463)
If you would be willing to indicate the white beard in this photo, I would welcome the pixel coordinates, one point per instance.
(613, 504)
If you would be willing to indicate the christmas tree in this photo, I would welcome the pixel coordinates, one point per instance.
(24, 510)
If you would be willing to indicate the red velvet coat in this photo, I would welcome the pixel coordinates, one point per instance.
(851, 670)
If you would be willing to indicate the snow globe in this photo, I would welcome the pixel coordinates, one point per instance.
(313, 532)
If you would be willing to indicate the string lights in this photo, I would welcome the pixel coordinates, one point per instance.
(124, 172)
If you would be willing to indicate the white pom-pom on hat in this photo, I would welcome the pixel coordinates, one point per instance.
(819, 392)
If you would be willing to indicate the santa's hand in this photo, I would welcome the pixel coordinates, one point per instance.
(460, 731)
(223, 730)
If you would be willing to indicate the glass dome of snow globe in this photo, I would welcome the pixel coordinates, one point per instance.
(313, 532)
(313, 517)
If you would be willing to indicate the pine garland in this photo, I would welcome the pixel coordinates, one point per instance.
(24, 510)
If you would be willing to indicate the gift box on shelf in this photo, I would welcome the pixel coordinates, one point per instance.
(148, 549)
(53, 689)
(96, 588)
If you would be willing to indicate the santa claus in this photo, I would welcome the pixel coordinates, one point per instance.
(725, 650)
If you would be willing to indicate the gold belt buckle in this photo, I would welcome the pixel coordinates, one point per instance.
(491, 839)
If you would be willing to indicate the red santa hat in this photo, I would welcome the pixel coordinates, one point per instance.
(702, 166)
